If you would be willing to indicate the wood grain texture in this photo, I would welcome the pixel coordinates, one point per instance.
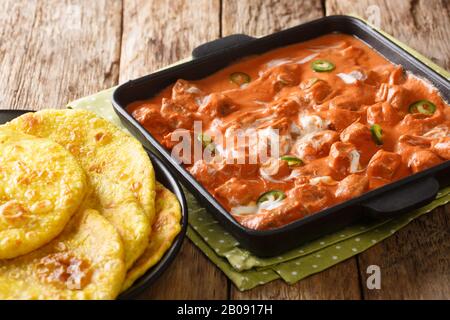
(258, 18)
(261, 17)
(155, 34)
(422, 24)
(191, 276)
(339, 282)
(52, 52)
(415, 261)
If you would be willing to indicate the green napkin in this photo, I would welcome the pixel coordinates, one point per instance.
(248, 271)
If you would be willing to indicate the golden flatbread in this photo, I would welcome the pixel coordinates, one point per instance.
(84, 262)
(121, 208)
(41, 187)
(165, 228)
(116, 164)
(100, 146)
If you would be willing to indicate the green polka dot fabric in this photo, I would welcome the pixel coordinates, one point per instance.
(247, 271)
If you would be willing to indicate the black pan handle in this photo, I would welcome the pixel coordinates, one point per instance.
(220, 44)
(409, 197)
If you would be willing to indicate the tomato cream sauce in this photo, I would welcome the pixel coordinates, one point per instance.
(353, 127)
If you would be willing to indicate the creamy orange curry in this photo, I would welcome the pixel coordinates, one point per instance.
(347, 120)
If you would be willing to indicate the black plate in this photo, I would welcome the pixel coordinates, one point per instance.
(394, 198)
(164, 176)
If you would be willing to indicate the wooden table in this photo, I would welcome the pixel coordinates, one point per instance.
(53, 51)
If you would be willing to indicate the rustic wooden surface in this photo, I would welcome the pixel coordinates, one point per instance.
(55, 51)
(52, 52)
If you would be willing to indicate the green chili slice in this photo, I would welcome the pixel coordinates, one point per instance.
(292, 161)
(239, 78)
(422, 106)
(377, 134)
(272, 195)
(206, 141)
(322, 66)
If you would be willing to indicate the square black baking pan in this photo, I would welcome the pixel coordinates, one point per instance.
(395, 198)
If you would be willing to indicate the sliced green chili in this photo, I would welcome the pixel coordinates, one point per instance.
(422, 106)
(292, 161)
(272, 195)
(239, 78)
(322, 66)
(206, 141)
(377, 134)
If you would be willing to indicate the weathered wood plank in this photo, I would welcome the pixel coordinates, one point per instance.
(157, 33)
(259, 18)
(422, 24)
(52, 52)
(160, 32)
(191, 276)
(415, 261)
(338, 282)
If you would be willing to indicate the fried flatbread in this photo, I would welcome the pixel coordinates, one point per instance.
(41, 187)
(165, 228)
(100, 146)
(121, 208)
(116, 164)
(84, 262)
